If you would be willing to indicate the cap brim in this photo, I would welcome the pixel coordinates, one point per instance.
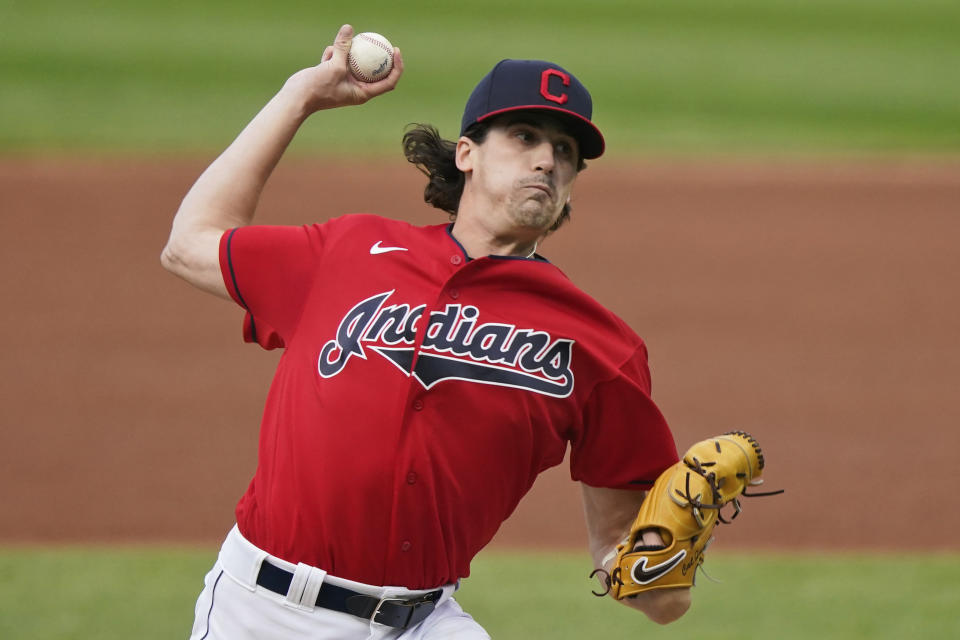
(592, 144)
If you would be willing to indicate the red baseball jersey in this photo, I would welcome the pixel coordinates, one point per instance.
(420, 393)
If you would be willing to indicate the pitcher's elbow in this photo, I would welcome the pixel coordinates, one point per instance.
(178, 258)
(169, 259)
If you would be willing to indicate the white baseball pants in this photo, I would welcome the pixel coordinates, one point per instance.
(232, 606)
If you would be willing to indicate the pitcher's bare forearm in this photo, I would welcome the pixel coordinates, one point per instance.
(226, 194)
(609, 514)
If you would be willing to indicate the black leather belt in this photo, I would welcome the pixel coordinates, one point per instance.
(399, 613)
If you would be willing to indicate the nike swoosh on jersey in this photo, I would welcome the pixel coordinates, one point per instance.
(643, 575)
(377, 249)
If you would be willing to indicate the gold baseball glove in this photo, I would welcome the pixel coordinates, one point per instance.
(683, 507)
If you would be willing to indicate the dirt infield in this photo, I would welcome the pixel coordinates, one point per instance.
(815, 305)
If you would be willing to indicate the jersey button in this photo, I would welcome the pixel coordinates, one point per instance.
(412, 477)
(456, 259)
(406, 546)
(418, 405)
(454, 293)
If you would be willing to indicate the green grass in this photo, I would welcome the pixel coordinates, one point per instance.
(75, 594)
(102, 594)
(875, 76)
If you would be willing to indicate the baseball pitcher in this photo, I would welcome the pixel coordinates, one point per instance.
(431, 373)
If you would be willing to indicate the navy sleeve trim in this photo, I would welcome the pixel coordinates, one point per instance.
(233, 274)
(236, 287)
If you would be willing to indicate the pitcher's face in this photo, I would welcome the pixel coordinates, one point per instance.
(525, 169)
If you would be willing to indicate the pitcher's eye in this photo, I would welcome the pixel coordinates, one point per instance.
(525, 135)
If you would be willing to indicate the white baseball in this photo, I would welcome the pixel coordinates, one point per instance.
(370, 57)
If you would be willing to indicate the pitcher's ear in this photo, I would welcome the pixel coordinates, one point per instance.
(463, 155)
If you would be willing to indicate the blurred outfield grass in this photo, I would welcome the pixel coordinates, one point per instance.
(686, 76)
(101, 594)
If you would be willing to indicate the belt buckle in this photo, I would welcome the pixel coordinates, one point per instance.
(411, 606)
(377, 612)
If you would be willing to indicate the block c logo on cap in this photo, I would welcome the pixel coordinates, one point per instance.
(545, 85)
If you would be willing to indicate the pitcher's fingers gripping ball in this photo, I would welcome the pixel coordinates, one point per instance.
(683, 507)
(371, 57)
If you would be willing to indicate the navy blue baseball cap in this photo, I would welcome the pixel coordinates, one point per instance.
(536, 85)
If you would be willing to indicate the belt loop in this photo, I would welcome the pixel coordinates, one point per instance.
(304, 587)
(312, 589)
(259, 559)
